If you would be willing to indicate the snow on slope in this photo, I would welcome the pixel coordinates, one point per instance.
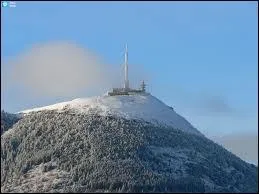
(142, 106)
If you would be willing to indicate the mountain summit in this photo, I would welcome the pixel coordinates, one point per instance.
(141, 107)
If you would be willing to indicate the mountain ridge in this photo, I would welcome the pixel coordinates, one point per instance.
(143, 106)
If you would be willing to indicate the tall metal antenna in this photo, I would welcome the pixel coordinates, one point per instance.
(143, 86)
(126, 80)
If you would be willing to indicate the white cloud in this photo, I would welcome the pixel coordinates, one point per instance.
(244, 145)
(60, 69)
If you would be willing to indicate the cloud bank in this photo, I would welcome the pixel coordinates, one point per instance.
(60, 69)
(244, 145)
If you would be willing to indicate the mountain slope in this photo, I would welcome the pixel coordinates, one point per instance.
(144, 107)
(75, 151)
(8, 120)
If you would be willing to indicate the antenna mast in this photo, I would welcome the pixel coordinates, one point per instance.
(126, 81)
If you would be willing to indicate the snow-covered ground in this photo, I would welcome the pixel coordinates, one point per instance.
(37, 179)
(142, 106)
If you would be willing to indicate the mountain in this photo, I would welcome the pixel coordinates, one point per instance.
(116, 144)
(8, 120)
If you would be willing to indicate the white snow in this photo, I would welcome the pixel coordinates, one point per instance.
(140, 106)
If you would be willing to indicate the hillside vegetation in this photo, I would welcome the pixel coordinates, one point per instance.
(68, 152)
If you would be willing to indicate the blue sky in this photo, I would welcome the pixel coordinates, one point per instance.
(201, 58)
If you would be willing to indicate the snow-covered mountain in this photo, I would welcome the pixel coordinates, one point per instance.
(143, 107)
(116, 144)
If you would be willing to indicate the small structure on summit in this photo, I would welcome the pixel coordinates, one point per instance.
(126, 90)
